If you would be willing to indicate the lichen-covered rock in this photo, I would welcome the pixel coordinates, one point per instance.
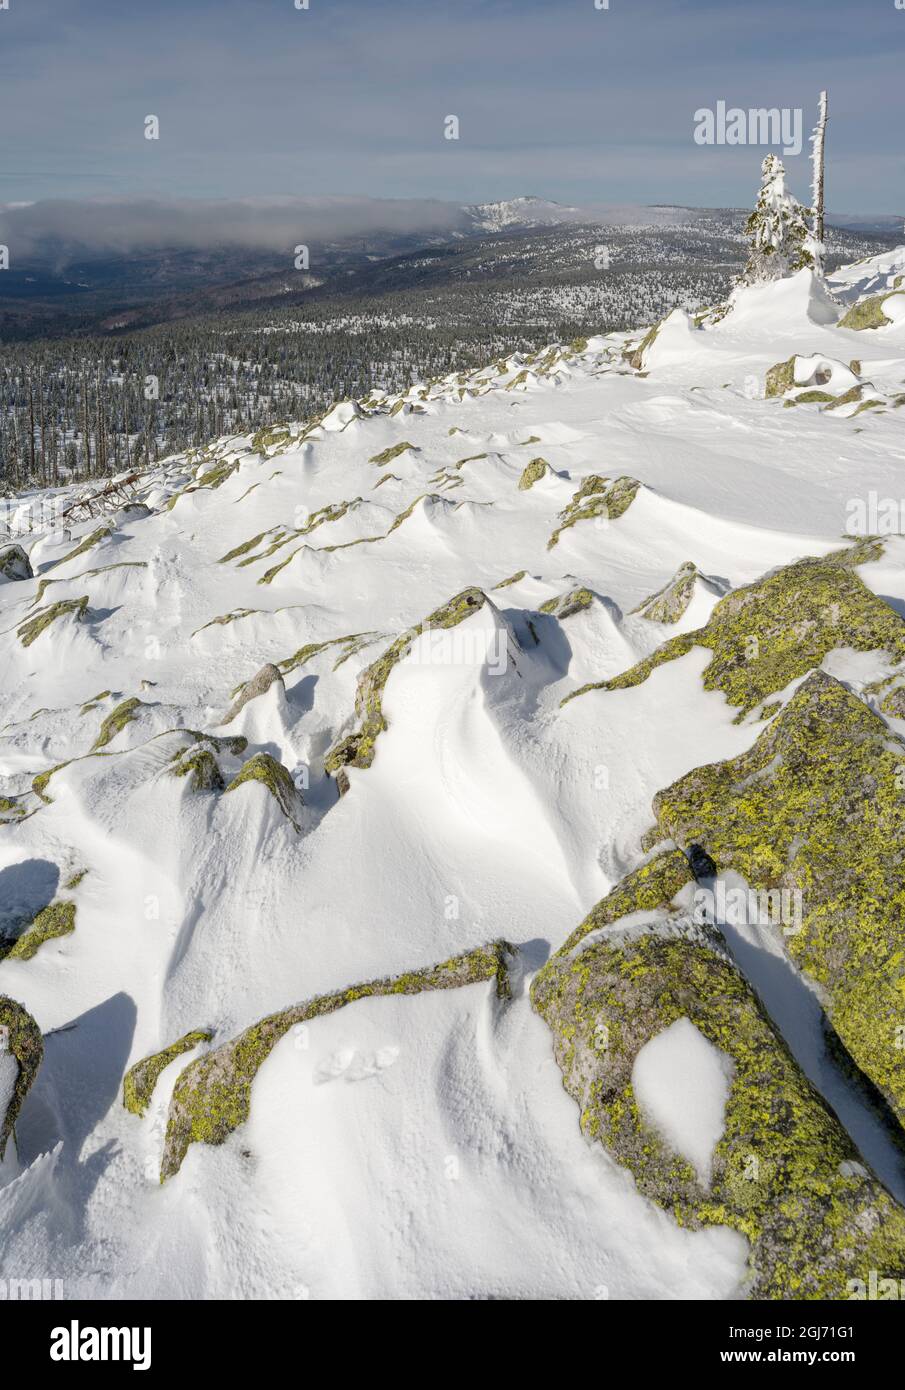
(51, 922)
(213, 1095)
(199, 764)
(270, 438)
(668, 604)
(20, 1037)
(116, 721)
(140, 1080)
(869, 313)
(276, 778)
(817, 805)
(893, 702)
(656, 883)
(513, 579)
(387, 455)
(636, 356)
(357, 749)
(532, 473)
(566, 605)
(780, 378)
(259, 683)
(769, 633)
(14, 563)
(783, 1172)
(603, 498)
(88, 543)
(31, 630)
(213, 478)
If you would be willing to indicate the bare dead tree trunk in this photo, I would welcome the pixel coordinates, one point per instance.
(817, 142)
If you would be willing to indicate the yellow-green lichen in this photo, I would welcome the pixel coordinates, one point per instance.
(393, 452)
(767, 634)
(868, 313)
(817, 805)
(780, 378)
(276, 778)
(20, 1036)
(513, 579)
(784, 1173)
(88, 543)
(357, 749)
(140, 1080)
(532, 473)
(116, 720)
(31, 630)
(598, 498)
(566, 605)
(51, 922)
(668, 604)
(213, 1095)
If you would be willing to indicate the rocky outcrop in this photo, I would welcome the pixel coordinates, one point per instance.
(532, 473)
(816, 805)
(213, 1095)
(357, 749)
(30, 631)
(598, 498)
(668, 604)
(259, 683)
(51, 922)
(14, 563)
(869, 313)
(767, 634)
(782, 1171)
(116, 721)
(20, 1039)
(276, 778)
(140, 1080)
(567, 605)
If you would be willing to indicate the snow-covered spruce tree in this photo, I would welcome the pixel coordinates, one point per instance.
(781, 240)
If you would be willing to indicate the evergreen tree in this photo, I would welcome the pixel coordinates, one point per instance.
(781, 241)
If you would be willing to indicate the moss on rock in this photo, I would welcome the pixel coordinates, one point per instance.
(784, 1173)
(200, 765)
(653, 884)
(212, 1096)
(816, 805)
(21, 1036)
(140, 1080)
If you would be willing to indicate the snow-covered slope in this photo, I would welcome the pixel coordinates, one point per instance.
(416, 1141)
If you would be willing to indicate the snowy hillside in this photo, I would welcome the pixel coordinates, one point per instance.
(397, 915)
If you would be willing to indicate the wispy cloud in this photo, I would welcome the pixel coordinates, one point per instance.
(65, 228)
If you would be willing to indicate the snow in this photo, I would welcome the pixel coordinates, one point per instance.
(420, 1146)
(681, 1083)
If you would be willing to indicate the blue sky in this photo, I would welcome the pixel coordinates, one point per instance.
(557, 99)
